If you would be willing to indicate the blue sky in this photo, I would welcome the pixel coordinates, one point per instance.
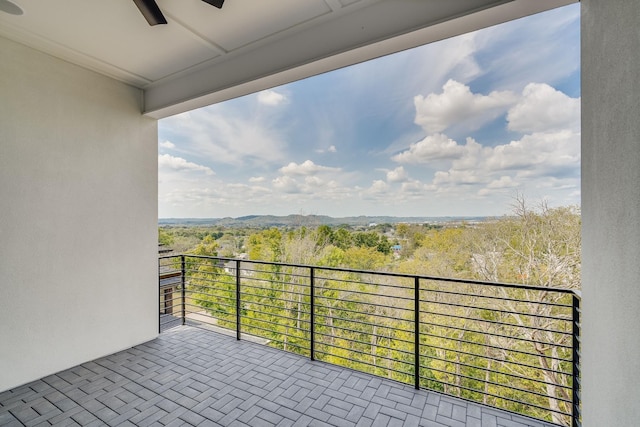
(457, 127)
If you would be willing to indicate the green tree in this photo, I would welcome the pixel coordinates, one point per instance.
(207, 247)
(164, 237)
(325, 235)
(266, 245)
(342, 238)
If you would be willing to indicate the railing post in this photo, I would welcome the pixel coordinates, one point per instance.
(183, 288)
(312, 319)
(159, 296)
(416, 331)
(575, 411)
(238, 305)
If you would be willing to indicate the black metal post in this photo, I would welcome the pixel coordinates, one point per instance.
(416, 332)
(312, 320)
(159, 296)
(238, 305)
(575, 412)
(183, 289)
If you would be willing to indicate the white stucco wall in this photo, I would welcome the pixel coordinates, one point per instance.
(78, 216)
(611, 212)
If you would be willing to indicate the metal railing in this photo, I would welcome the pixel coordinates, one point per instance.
(514, 347)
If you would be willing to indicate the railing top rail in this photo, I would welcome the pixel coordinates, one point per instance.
(391, 274)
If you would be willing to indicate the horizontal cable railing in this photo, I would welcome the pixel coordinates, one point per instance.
(514, 347)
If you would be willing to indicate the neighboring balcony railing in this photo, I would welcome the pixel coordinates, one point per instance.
(509, 346)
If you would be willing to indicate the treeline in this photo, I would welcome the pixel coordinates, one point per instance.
(538, 246)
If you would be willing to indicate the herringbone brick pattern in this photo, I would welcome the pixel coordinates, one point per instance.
(192, 377)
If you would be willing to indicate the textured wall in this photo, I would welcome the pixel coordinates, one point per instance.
(611, 212)
(78, 216)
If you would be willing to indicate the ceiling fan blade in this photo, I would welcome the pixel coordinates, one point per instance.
(151, 11)
(216, 3)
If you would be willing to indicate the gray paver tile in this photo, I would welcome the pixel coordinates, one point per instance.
(190, 377)
(381, 420)
(6, 419)
(320, 415)
(288, 413)
(355, 414)
(412, 421)
(445, 409)
(459, 413)
(450, 422)
(489, 420)
(364, 422)
(304, 420)
(269, 416)
(474, 411)
(335, 412)
(529, 422)
(473, 422)
(192, 418)
(372, 410)
(231, 416)
(340, 422)
(409, 410)
(394, 413)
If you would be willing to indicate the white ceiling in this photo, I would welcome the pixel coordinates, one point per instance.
(206, 55)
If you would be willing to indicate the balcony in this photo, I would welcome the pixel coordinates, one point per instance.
(193, 377)
(510, 347)
(352, 355)
(361, 348)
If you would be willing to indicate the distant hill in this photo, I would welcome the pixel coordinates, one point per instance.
(259, 221)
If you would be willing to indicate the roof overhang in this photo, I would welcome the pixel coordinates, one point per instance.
(205, 55)
(293, 59)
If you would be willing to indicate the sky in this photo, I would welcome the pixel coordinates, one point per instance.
(455, 128)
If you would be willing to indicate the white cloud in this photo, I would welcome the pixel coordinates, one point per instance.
(378, 186)
(271, 97)
(313, 181)
(305, 168)
(544, 109)
(457, 104)
(472, 154)
(545, 152)
(169, 162)
(529, 160)
(504, 181)
(414, 187)
(209, 197)
(549, 149)
(286, 184)
(257, 179)
(497, 186)
(433, 147)
(397, 175)
(331, 149)
(456, 177)
(227, 136)
(167, 144)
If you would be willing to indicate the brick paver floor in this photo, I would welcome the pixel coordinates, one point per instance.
(192, 377)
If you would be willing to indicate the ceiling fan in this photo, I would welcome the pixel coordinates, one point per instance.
(153, 14)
